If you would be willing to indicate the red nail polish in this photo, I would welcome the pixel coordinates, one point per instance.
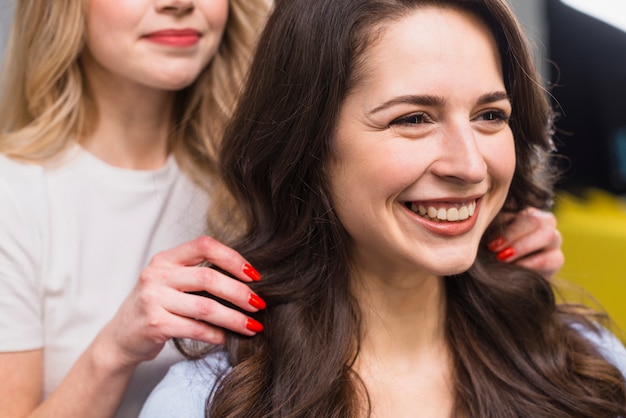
(508, 252)
(256, 301)
(495, 244)
(254, 325)
(251, 272)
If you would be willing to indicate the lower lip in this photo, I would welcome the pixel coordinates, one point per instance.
(445, 228)
(176, 41)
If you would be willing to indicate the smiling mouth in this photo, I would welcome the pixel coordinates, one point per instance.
(443, 213)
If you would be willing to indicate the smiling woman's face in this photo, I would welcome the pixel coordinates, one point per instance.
(424, 155)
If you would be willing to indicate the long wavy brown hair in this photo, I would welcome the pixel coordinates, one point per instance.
(515, 351)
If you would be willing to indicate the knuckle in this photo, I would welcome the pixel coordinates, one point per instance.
(197, 333)
(207, 277)
(145, 277)
(208, 333)
(550, 219)
(147, 301)
(204, 243)
(205, 307)
(154, 325)
(159, 258)
(531, 210)
(215, 336)
(552, 237)
(536, 222)
(150, 275)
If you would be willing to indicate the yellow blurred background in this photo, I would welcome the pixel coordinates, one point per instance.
(594, 244)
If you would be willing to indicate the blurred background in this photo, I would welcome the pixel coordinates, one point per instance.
(580, 47)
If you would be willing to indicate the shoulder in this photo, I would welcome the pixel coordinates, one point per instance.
(186, 387)
(20, 179)
(23, 198)
(608, 345)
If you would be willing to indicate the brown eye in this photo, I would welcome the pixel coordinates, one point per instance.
(493, 116)
(412, 119)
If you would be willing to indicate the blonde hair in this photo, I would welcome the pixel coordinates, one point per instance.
(44, 103)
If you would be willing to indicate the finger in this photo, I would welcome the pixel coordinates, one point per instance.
(211, 312)
(200, 331)
(524, 224)
(544, 239)
(206, 248)
(198, 278)
(546, 263)
(187, 328)
(528, 221)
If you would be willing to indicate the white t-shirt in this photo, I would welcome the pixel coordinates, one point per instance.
(73, 240)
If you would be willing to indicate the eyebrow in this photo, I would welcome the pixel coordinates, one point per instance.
(431, 100)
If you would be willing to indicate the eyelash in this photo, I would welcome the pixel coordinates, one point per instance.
(410, 119)
(420, 118)
(497, 115)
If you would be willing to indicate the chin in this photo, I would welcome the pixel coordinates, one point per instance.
(451, 267)
(175, 85)
(176, 78)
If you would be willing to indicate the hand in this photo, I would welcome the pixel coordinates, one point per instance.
(530, 239)
(160, 308)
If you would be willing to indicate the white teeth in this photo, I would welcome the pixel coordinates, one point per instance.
(463, 213)
(452, 214)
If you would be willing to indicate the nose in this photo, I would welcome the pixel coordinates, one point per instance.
(175, 7)
(460, 157)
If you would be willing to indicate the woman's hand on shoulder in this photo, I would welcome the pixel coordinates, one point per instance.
(162, 305)
(530, 239)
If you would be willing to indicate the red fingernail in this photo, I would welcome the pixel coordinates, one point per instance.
(508, 252)
(251, 272)
(495, 244)
(254, 325)
(256, 301)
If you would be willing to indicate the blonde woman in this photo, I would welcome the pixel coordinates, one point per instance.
(110, 115)
(110, 110)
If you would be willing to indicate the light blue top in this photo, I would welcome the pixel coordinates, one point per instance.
(184, 391)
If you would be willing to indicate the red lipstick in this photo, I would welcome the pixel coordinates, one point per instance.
(181, 38)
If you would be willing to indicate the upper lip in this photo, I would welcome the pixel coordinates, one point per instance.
(174, 32)
(451, 200)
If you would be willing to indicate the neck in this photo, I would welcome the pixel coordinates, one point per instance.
(402, 317)
(133, 121)
(404, 359)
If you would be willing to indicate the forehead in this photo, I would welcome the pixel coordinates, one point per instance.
(426, 42)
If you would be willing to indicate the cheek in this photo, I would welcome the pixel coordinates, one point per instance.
(508, 161)
(107, 25)
(215, 13)
(500, 157)
(105, 17)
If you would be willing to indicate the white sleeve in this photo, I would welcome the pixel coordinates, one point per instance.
(22, 205)
(185, 390)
